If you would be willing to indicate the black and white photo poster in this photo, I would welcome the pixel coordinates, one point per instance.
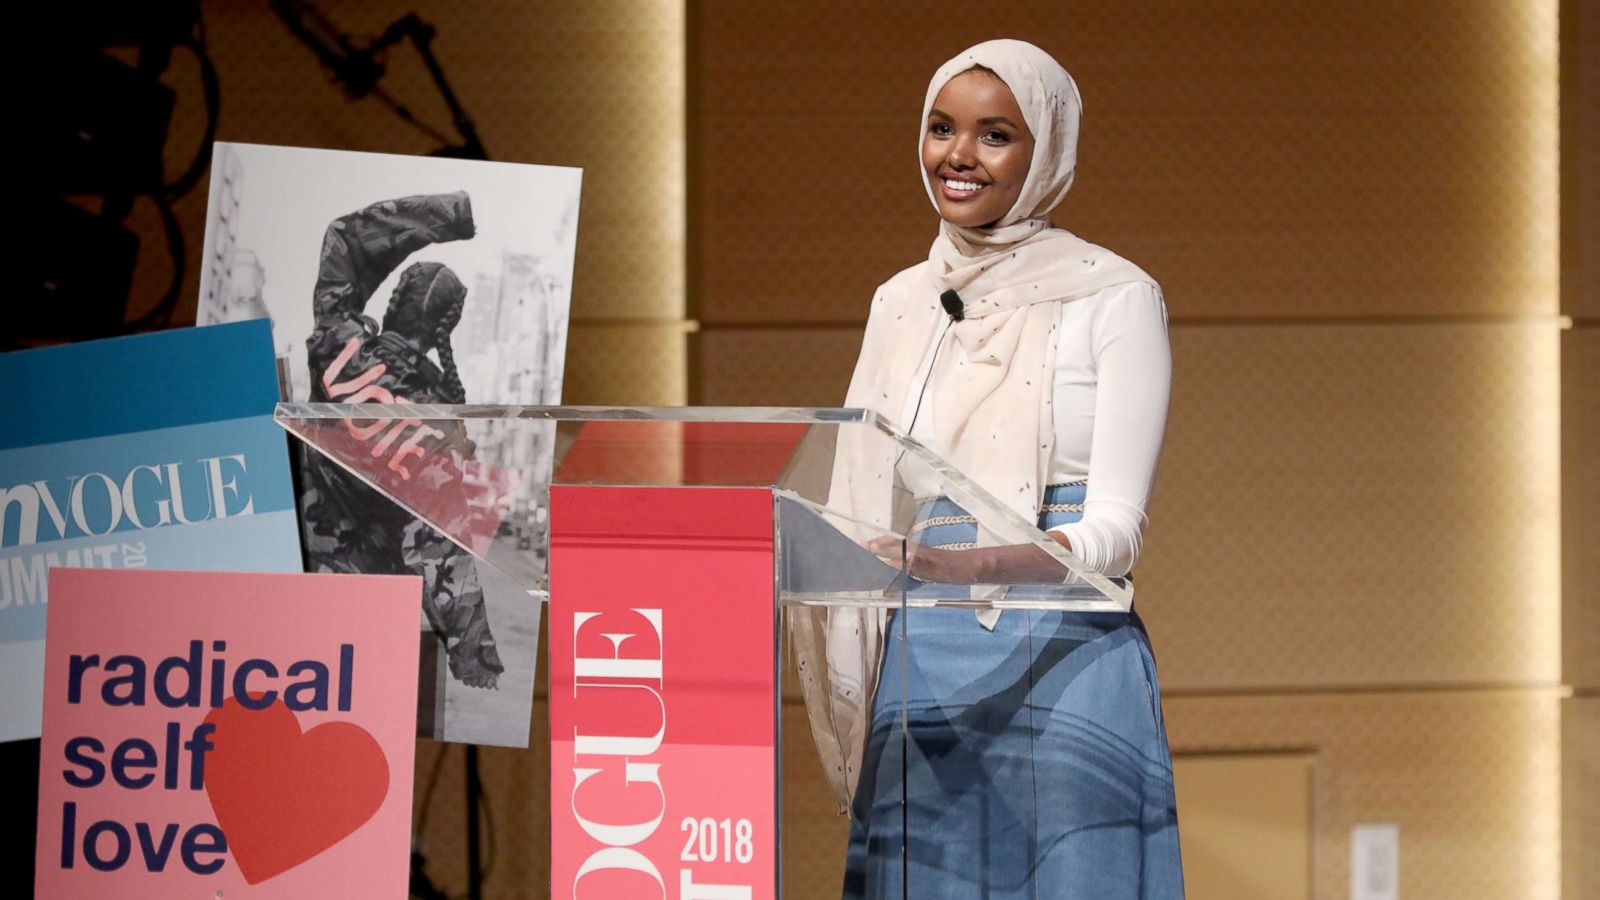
(435, 280)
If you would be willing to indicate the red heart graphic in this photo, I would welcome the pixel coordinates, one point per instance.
(282, 796)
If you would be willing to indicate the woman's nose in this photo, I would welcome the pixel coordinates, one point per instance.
(963, 153)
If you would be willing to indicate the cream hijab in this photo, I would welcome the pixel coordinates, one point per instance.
(991, 387)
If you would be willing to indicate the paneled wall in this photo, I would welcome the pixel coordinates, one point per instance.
(1353, 207)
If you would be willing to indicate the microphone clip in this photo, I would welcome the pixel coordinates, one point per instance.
(953, 305)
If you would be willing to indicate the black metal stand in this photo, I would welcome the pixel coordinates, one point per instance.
(474, 851)
(359, 68)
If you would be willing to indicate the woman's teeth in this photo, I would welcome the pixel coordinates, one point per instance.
(963, 185)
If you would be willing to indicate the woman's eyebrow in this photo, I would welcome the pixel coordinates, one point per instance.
(941, 114)
(992, 120)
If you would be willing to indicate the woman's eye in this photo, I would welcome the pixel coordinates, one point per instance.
(997, 137)
(941, 129)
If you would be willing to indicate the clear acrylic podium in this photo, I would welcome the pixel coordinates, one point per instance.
(702, 567)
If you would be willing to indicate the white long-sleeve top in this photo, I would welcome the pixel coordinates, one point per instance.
(1113, 379)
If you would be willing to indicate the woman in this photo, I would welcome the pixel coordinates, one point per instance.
(1034, 761)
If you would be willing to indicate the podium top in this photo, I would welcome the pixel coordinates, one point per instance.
(757, 414)
(853, 495)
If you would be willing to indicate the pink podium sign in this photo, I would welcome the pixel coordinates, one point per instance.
(216, 735)
(663, 694)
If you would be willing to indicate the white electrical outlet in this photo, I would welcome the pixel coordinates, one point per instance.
(1375, 862)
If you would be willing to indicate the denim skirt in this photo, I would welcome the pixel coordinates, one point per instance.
(1029, 761)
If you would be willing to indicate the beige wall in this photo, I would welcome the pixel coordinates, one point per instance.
(1358, 539)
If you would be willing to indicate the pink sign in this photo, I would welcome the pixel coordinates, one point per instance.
(663, 694)
(230, 735)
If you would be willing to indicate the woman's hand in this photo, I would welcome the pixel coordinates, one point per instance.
(1014, 564)
(926, 563)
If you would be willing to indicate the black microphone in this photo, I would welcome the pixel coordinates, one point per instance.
(953, 305)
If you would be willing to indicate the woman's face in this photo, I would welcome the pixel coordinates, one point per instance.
(976, 150)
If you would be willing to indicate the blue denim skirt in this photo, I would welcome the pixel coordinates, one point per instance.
(1030, 761)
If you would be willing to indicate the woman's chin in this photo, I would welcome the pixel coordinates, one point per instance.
(966, 218)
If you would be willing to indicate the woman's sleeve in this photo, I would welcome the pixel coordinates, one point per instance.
(361, 249)
(1133, 365)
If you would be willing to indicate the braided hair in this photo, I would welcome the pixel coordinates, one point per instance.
(454, 392)
(426, 307)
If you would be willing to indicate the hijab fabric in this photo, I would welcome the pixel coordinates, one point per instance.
(990, 389)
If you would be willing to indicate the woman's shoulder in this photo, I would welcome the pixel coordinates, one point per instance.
(1142, 293)
(914, 277)
(899, 294)
(1093, 263)
(1127, 308)
(1128, 300)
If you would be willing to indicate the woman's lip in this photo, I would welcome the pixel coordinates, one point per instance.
(951, 193)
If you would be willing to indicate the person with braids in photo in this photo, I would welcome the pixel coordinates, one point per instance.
(350, 527)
